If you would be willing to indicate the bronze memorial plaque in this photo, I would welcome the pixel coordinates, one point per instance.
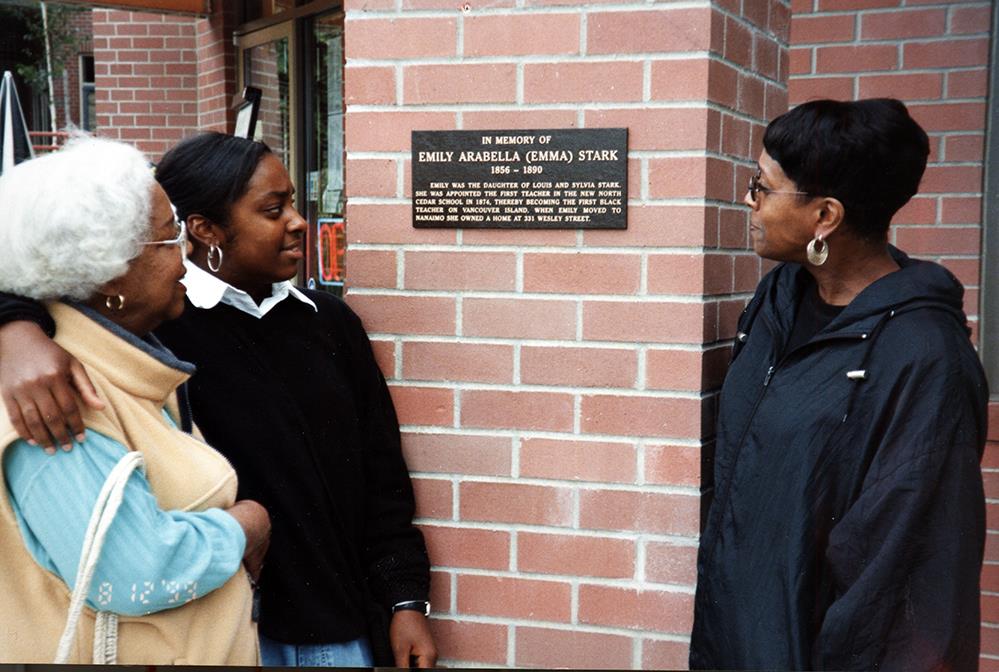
(516, 179)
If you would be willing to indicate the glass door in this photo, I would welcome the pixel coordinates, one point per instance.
(266, 60)
(325, 254)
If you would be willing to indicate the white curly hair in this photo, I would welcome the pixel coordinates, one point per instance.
(74, 219)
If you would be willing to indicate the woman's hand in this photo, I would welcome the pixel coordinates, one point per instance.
(39, 381)
(256, 524)
(409, 635)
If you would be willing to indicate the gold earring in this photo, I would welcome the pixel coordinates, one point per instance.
(109, 302)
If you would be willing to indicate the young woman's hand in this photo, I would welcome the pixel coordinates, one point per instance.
(409, 635)
(256, 524)
(39, 382)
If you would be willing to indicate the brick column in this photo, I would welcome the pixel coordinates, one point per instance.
(557, 388)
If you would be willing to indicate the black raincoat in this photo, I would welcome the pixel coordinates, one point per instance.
(847, 525)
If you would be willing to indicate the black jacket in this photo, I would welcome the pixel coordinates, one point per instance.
(848, 521)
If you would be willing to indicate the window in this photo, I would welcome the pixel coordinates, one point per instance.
(88, 98)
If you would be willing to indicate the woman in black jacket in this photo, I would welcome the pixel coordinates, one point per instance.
(848, 521)
(288, 389)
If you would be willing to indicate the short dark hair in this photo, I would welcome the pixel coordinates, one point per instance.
(207, 173)
(869, 154)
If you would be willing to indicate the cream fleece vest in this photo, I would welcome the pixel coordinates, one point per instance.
(184, 473)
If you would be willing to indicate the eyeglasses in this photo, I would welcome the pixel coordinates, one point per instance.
(756, 188)
(180, 241)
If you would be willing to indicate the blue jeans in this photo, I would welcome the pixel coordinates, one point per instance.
(339, 654)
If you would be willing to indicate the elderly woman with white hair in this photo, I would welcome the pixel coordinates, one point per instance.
(90, 232)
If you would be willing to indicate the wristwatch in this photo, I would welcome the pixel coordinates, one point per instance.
(413, 605)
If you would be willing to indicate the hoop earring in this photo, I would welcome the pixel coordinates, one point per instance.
(214, 249)
(109, 302)
(817, 257)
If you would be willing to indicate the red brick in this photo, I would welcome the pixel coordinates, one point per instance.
(519, 318)
(902, 24)
(372, 268)
(457, 362)
(819, 29)
(655, 129)
(523, 410)
(460, 83)
(524, 238)
(440, 592)
(582, 273)
(920, 210)
(578, 460)
(683, 79)
(670, 563)
(641, 416)
(514, 598)
(370, 177)
(968, 83)
(949, 179)
(841, 5)
(968, 20)
(466, 547)
(401, 38)
(575, 555)
(691, 177)
(384, 352)
(384, 223)
(655, 610)
(952, 53)
(690, 274)
(639, 512)
(457, 454)
(664, 654)
(990, 608)
(364, 85)
(515, 503)
(800, 61)
(994, 421)
(856, 58)
(655, 226)
(752, 92)
(950, 117)
(938, 240)
(961, 210)
(460, 270)
(804, 89)
(906, 86)
(662, 30)
(405, 314)
(618, 81)
(990, 578)
(542, 648)
(423, 405)
(433, 498)
(735, 136)
(658, 322)
(521, 35)
(967, 272)
(738, 46)
(519, 118)
(467, 641)
(584, 367)
(385, 131)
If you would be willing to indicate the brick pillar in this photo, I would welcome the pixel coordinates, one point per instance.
(557, 388)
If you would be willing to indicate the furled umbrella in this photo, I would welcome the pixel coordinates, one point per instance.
(15, 144)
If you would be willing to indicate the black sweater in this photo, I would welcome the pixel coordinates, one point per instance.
(296, 402)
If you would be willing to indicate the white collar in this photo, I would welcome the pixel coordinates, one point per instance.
(207, 291)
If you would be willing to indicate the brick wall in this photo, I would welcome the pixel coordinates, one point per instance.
(556, 387)
(934, 56)
(160, 77)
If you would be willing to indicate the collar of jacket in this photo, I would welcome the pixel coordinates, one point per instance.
(141, 368)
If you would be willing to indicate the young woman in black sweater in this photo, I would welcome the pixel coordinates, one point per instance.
(288, 389)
